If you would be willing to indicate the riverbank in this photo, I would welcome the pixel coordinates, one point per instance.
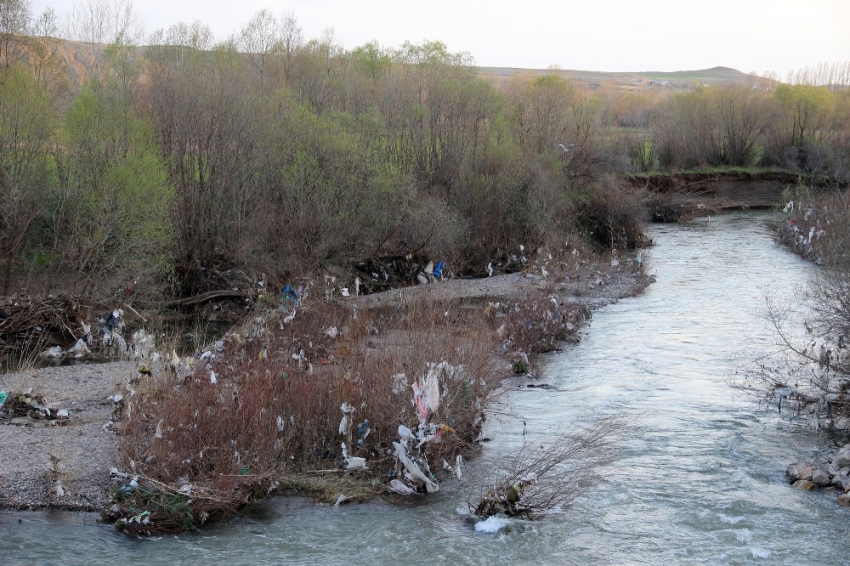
(66, 464)
(683, 195)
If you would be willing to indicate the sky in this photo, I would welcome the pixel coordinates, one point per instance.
(598, 35)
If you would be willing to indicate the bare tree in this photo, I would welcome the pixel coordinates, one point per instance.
(291, 42)
(260, 38)
(101, 22)
(14, 20)
(543, 478)
(26, 122)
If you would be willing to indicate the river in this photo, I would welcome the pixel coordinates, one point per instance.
(698, 477)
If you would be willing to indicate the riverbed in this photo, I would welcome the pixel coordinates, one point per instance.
(698, 475)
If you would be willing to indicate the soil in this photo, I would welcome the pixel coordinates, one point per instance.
(36, 456)
(713, 192)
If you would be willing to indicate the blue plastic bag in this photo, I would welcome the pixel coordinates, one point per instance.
(438, 269)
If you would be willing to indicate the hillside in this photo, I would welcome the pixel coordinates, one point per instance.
(79, 59)
(682, 79)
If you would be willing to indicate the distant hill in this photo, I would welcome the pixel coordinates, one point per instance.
(79, 60)
(713, 76)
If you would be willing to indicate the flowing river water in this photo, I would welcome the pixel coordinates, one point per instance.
(697, 478)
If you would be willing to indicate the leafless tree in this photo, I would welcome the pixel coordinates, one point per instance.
(544, 479)
(807, 373)
(14, 21)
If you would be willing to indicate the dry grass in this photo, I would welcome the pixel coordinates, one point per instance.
(540, 322)
(273, 408)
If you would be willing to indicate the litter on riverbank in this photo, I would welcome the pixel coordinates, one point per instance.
(303, 359)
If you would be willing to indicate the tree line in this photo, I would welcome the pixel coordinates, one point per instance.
(178, 161)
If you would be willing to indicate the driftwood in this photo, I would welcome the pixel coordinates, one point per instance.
(206, 298)
(25, 318)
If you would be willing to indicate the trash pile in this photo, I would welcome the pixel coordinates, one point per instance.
(311, 388)
(31, 406)
(375, 275)
(411, 472)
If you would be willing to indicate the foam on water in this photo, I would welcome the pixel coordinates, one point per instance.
(492, 524)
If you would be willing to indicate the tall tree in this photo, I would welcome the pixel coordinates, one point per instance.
(14, 20)
(26, 124)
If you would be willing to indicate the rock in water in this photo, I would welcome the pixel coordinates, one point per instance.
(798, 471)
(805, 485)
(820, 478)
(842, 459)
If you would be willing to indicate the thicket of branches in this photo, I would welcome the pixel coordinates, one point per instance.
(807, 374)
(170, 164)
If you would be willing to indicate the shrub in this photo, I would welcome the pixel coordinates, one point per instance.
(270, 402)
(612, 216)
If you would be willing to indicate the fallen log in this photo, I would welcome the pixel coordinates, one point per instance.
(206, 298)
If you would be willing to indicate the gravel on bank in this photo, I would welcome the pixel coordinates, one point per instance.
(67, 466)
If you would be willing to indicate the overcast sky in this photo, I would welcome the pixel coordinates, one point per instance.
(601, 35)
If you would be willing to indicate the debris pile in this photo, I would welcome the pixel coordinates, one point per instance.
(544, 479)
(144, 506)
(31, 323)
(30, 406)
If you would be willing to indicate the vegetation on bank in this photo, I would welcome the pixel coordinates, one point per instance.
(340, 402)
(191, 165)
(719, 171)
(807, 374)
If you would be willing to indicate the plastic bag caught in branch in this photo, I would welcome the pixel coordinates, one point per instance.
(414, 470)
(345, 423)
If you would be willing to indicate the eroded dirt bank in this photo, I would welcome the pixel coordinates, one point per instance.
(712, 192)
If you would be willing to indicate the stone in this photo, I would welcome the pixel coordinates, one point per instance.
(844, 499)
(798, 471)
(805, 485)
(821, 478)
(841, 482)
(841, 460)
(844, 472)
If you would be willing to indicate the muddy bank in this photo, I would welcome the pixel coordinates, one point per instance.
(707, 193)
(68, 465)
